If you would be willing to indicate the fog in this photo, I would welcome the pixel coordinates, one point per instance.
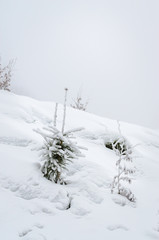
(107, 50)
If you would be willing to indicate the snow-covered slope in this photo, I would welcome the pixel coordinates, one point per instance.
(33, 208)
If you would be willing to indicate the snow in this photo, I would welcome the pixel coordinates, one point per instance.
(33, 208)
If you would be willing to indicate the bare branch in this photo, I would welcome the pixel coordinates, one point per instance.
(6, 75)
(64, 114)
(55, 114)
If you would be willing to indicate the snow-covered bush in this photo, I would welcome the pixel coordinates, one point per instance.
(79, 104)
(6, 75)
(118, 144)
(57, 152)
(125, 168)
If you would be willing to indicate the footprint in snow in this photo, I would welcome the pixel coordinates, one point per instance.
(33, 233)
(117, 227)
(24, 232)
(38, 225)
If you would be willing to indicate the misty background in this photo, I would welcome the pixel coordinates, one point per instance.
(107, 49)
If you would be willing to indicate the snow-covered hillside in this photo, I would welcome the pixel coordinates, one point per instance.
(33, 208)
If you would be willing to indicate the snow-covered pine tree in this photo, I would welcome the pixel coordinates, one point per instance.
(57, 152)
(58, 149)
(125, 168)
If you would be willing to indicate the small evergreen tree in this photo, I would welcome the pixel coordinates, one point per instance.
(125, 168)
(57, 152)
(58, 149)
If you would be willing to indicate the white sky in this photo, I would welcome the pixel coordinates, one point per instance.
(109, 49)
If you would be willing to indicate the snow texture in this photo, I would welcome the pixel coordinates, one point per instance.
(33, 208)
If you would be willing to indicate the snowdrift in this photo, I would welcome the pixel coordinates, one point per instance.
(33, 208)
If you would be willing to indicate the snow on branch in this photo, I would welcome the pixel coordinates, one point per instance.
(124, 166)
